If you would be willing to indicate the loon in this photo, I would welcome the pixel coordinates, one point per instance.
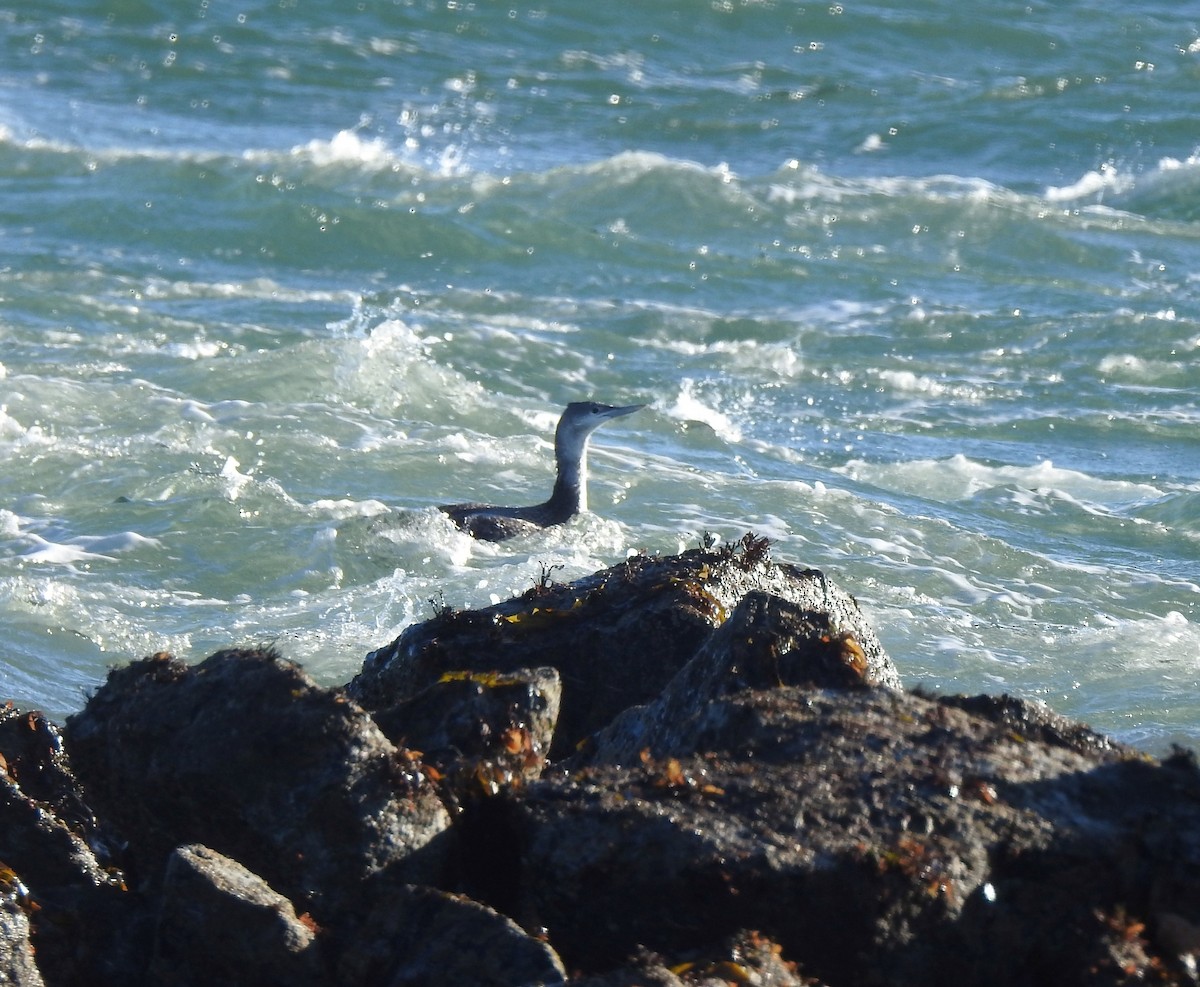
(575, 427)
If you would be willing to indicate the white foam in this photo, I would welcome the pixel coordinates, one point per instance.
(341, 509)
(194, 411)
(1105, 179)
(83, 548)
(1127, 189)
(197, 349)
(347, 147)
(391, 365)
(870, 144)
(235, 482)
(960, 478)
(913, 383)
(10, 428)
(690, 407)
(780, 359)
(10, 523)
(804, 184)
(1128, 367)
(631, 164)
(123, 541)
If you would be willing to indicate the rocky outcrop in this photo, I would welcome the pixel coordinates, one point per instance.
(877, 837)
(699, 769)
(615, 638)
(244, 754)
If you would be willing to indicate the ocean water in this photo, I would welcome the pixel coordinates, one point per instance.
(913, 292)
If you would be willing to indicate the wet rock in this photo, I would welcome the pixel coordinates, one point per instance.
(747, 958)
(1033, 721)
(221, 924)
(422, 937)
(32, 757)
(479, 731)
(878, 837)
(616, 637)
(60, 857)
(44, 821)
(17, 964)
(768, 642)
(749, 762)
(243, 753)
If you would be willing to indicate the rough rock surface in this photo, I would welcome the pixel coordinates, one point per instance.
(17, 964)
(479, 731)
(428, 937)
(244, 754)
(767, 643)
(616, 638)
(220, 924)
(736, 789)
(44, 824)
(55, 860)
(878, 837)
(747, 958)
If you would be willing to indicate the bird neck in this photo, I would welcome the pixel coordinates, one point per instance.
(570, 488)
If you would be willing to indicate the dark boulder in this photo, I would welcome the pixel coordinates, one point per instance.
(768, 642)
(33, 758)
(879, 837)
(245, 754)
(59, 863)
(219, 923)
(616, 638)
(479, 732)
(736, 789)
(422, 937)
(48, 832)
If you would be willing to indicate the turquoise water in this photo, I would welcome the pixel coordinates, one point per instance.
(915, 293)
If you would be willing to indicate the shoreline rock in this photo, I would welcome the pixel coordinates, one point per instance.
(616, 638)
(697, 769)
